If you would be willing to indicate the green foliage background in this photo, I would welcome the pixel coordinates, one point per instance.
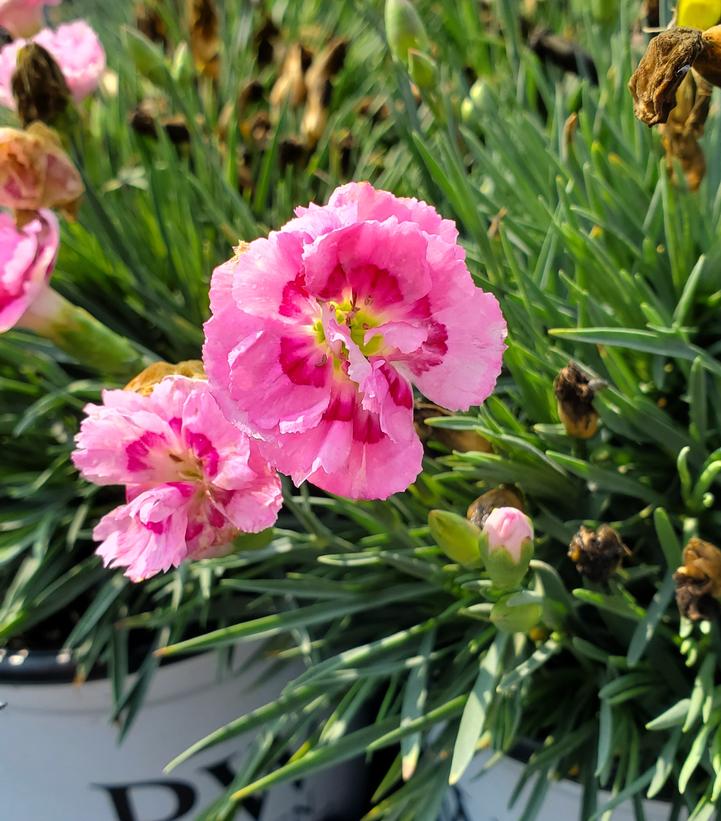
(594, 255)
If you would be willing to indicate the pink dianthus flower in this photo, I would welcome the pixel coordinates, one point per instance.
(319, 331)
(27, 259)
(193, 481)
(76, 49)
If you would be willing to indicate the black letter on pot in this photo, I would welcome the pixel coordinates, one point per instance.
(120, 796)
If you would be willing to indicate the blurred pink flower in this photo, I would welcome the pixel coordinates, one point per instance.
(318, 332)
(22, 18)
(509, 528)
(75, 47)
(193, 481)
(35, 171)
(27, 259)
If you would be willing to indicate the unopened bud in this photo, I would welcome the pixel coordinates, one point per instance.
(422, 70)
(517, 612)
(38, 86)
(507, 546)
(404, 29)
(574, 395)
(597, 554)
(698, 581)
(457, 537)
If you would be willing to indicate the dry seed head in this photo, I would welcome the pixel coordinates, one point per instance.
(597, 554)
(574, 396)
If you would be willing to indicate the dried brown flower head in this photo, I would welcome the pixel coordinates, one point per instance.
(318, 88)
(38, 86)
(265, 42)
(698, 581)
(151, 115)
(668, 58)
(290, 84)
(597, 554)
(148, 378)
(501, 496)
(149, 21)
(204, 28)
(574, 396)
(460, 440)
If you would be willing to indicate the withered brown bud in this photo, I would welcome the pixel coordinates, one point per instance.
(698, 581)
(256, 130)
(290, 84)
(597, 554)
(460, 440)
(319, 89)
(501, 496)
(149, 116)
(265, 41)
(148, 378)
(684, 128)
(574, 396)
(38, 86)
(149, 22)
(668, 58)
(291, 152)
(204, 28)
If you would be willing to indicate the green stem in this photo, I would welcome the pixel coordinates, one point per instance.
(81, 335)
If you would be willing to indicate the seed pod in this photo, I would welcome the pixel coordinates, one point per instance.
(484, 505)
(148, 378)
(574, 395)
(597, 554)
(698, 581)
(39, 87)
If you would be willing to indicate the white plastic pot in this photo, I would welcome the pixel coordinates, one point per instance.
(484, 796)
(60, 759)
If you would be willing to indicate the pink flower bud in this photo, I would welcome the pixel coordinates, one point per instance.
(507, 546)
(27, 259)
(22, 18)
(509, 528)
(35, 171)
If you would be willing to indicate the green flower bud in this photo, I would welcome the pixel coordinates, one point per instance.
(457, 537)
(517, 612)
(422, 69)
(404, 29)
(507, 546)
(148, 57)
